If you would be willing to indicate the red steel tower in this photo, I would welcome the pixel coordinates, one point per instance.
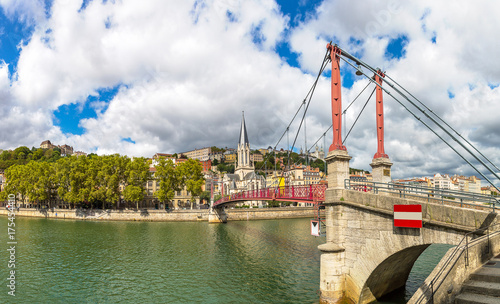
(336, 99)
(380, 117)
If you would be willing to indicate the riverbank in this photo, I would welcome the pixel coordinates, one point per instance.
(153, 215)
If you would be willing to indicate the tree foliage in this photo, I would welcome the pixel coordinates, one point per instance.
(191, 177)
(137, 174)
(168, 178)
(225, 168)
(94, 180)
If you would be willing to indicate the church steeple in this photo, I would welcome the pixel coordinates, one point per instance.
(244, 147)
(243, 131)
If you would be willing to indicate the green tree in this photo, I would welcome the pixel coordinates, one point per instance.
(62, 169)
(44, 181)
(169, 180)
(115, 173)
(94, 187)
(205, 196)
(318, 163)
(38, 154)
(6, 155)
(133, 194)
(17, 183)
(78, 185)
(225, 168)
(191, 177)
(23, 150)
(137, 174)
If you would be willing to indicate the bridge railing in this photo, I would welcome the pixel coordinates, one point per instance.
(457, 198)
(308, 193)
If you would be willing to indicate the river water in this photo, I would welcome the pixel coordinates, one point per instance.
(66, 261)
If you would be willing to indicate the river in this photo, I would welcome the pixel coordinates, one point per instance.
(268, 261)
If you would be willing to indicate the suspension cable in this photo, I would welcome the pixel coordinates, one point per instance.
(345, 138)
(346, 54)
(355, 99)
(438, 117)
(419, 119)
(323, 66)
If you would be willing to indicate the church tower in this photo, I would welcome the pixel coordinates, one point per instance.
(245, 165)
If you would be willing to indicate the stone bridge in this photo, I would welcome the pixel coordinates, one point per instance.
(365, 256)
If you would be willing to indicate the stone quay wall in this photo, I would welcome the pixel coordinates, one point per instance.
(164, 216)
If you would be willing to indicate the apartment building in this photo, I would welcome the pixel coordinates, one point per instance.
(65, 149)
(200, 154)
(256, 157)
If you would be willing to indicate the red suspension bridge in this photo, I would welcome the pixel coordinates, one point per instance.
(300, 194)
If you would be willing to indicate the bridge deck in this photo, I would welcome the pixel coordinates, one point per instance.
(307, 194)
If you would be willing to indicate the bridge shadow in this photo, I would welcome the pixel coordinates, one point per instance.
(488, 220)
(406, 231)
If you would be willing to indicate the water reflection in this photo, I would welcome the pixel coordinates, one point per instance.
(111, 262)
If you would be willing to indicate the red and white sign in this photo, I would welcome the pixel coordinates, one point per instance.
(409, 216)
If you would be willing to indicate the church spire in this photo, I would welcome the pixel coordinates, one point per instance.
(243, 131)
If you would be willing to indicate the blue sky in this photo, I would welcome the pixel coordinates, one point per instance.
(169, 76)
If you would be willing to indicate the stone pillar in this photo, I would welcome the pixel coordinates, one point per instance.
(381, 170)
(332, 277)
(338, 168)
(217, 215)
(332, 261)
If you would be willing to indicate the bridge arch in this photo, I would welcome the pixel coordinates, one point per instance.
(392, 273)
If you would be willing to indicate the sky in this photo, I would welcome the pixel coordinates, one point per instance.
(141, 77)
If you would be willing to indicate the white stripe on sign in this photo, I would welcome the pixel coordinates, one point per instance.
(408, 216)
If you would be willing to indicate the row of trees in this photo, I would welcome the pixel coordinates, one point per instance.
(93, 180)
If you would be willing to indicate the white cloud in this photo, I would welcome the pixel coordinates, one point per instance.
(28, 11)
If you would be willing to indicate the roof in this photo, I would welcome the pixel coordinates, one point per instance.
(243, 131)
(233, 185)
(233, 176)
(252, 175)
